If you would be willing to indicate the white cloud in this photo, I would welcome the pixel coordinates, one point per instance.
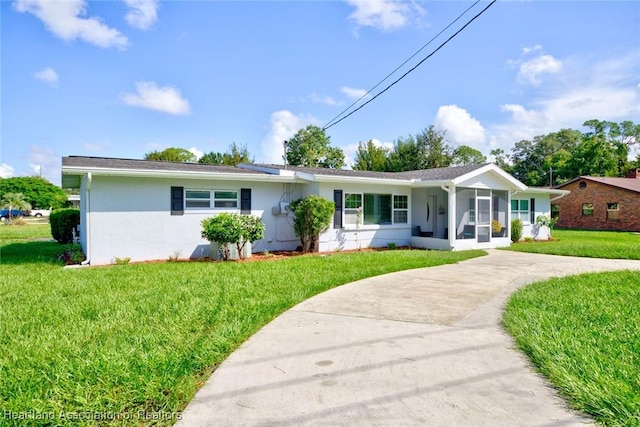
(283, 125)
(531, 71)
(534, 48)
(322, 99)
(386, 15)
(353, 93)
(45, 162)
(6, 171)
(164, 99)
(196, 152)
(142, 14)
(65, 19)
(461, 128)
(47, 75)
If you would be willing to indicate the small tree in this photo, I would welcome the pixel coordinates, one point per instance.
(232, 229)
(16, 201)
(312, 216)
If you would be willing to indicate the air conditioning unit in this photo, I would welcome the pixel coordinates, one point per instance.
(284, 208)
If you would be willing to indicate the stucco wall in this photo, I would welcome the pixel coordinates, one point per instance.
(131, 217)
(542, 207)
(348, 238)
(600, 195)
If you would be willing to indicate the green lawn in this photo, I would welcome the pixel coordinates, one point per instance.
(583, 333)
(123, 339)
(593, 244)
(31, 230)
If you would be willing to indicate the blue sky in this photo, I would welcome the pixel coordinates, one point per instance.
(122, 78)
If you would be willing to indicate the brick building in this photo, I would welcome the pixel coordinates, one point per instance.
(600, 203)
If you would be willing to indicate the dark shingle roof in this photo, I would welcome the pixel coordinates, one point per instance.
(112, 163)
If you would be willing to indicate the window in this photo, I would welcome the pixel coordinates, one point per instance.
(587, 209)
(613, 211)
(202, 199)
(375, 209)
(197, 199)
(352, 203)
(400, 209)
(225, 199)
(520, 209)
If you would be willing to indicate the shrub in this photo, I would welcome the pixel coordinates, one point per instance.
(496, 226)
(516, 230)
(312, 216)
(232, 228)
(121, 261)
(73, 255)
(63, 223)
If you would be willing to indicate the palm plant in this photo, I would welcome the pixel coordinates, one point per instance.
(15, 201)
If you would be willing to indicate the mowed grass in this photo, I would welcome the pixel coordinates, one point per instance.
(143, 338)
(31, 230)
(593, 244)
(583, 333)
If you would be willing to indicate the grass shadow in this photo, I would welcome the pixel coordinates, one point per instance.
(31, 252)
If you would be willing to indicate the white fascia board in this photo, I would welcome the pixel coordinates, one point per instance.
(355, 179)
(418, 183)
(143, 173)
(265, 169)
(539, 190)
(491, 168)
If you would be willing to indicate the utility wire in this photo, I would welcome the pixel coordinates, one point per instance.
(327, 126)
(401, 65)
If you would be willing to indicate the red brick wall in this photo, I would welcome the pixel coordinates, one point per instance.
(598, 194)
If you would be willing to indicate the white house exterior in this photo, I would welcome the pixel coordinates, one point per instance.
(148, 210)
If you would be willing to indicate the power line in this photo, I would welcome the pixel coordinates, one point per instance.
(327, 126)
(401, 65)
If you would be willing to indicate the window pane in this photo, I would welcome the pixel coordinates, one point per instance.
(352, 201)
(400, 202)
(226, 204)
(197, 194)
(377, 209)
(524, 205)
(587, 209)
(197, 204)
(400, 217)
(514, 205)
(484, 193)
(226, 195)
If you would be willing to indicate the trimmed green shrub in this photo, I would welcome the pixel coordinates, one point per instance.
(312, 216)
(232, 228)
(516, 230)
(63, 222)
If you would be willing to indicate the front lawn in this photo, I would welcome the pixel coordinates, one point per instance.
(123, 339)
(593, 244)
(31, 230)
(583, 333)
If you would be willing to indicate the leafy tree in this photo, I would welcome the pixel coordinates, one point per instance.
(370, 157)
(500, 159)
(234, 156)
(172, 154)
(13, 201)
(311, 147)
(37, 191)
(428, 149)
(312, 216)
(465, 155)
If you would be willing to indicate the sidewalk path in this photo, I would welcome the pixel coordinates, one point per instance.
(418, 347)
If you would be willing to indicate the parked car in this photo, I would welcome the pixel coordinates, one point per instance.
(39, 213)
(4, 213)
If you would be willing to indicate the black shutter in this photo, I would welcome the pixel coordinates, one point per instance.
(245, 201)
(177, 200)
(337, 214)
(532, 212)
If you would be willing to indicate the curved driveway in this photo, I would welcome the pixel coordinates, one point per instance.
(418, 347)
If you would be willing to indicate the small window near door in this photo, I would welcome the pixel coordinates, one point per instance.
(613, 211)
(587, 209)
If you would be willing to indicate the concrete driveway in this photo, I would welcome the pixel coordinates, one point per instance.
(418, 347)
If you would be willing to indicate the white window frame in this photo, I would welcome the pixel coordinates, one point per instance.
(211, 200)
(216, 199)
(523, 215)
(188, 199)
(350, 212)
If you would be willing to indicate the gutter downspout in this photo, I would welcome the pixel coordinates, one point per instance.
(557, 198)
(451, 213)
(87, 226)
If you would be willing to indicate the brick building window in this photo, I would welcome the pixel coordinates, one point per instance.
(587, 209)
(613, 211)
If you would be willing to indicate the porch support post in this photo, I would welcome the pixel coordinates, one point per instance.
(452, 216)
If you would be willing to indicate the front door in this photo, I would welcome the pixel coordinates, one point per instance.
(431, 213)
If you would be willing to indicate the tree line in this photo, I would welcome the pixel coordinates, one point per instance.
(551, 159)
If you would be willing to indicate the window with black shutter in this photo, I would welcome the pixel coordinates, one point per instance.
(532, 212)
(245, 201)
